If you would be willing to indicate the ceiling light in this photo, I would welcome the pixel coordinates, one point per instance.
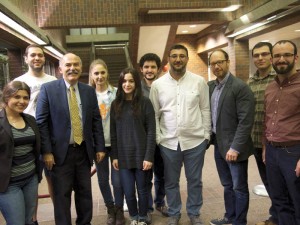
(231, 8)
(297, 30)
(192, 26)
(184, 31)
(54, 51)
(247, 29)
(272, 17)
(17, 27)
(265, 41)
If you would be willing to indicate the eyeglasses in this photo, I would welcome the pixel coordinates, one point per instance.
(285, 56)
(219, 63)
(263, 54)
(176, 56)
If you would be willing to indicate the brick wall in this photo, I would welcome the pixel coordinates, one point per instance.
(15, 63)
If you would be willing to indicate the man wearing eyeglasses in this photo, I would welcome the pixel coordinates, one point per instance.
(282, 133)
(181, 104)
(232, 108)
(261, 55)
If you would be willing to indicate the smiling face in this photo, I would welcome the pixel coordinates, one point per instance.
(262, 58)
(128, 86)
(18, 102)
(284, 59)
(99, 75)
(178, 60)
(35, 59)
(149, 70)
(219, 65)
(71, 67)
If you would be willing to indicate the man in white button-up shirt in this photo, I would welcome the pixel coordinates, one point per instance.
(183, 123)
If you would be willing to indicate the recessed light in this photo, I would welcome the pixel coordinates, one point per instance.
(193, 26)
(184, 31)
(231, 8)
(297, 30)
(265, 41)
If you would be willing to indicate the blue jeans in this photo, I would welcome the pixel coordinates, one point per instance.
(193, 160)
(263, 175)
(284, 185)
(18, 203)
(234, 178)
(131, 178)
(103, 181)
(159, 181)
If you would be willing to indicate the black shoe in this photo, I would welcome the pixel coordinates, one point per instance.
(163, 210)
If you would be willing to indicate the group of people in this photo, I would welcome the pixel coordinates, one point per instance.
(151, 126)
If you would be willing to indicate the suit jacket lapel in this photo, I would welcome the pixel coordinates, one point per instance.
(62, 96)
(83, 96)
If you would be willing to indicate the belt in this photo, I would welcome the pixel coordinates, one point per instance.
(75, 145)
(284, 144)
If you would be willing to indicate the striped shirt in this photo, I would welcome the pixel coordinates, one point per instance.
(23, 163)
(258, 86)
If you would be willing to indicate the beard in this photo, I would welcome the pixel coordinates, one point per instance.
(284, 70)
(150, 78)
(37, 69)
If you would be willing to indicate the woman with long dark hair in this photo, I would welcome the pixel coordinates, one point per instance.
(133, 142)
(19, 156)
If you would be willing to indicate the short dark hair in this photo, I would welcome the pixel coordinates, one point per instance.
(12, 88)
(261, 44)
(219, 50)
(286, 41)
(33, 46)
(150, 57)
(179, 46)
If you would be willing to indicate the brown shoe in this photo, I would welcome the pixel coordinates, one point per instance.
(120, 218)
(163, 210)
(269, 222)
(111, 215)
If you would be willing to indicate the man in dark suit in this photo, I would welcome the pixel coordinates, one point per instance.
(68, 159)
(232, 110)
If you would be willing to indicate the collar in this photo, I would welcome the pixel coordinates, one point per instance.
(256, 76)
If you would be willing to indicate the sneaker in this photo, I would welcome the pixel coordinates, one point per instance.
(220, 221)
(134, 222)
(149, 218)
(163, 210)
(173, 220)
(195, 220)
(142, 223)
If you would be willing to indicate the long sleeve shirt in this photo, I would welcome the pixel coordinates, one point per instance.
(182, 111)
(282, 110)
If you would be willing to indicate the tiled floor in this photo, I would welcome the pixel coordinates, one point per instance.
(213, 205)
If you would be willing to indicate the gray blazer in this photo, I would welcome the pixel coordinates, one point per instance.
(235, 117)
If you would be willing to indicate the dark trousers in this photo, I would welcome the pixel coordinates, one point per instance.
(131, 178)
(234, 178)
(284, 184)
(159, 181)
(263, 175)
(73, 174)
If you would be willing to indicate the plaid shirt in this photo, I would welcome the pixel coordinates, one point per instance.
(258, 86)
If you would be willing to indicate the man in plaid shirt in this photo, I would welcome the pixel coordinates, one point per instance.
(261, 54)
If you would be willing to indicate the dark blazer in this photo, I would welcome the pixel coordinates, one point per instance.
(235, 117)
(53, 119)
(7, 147)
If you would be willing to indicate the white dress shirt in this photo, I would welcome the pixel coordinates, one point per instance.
(182, 111)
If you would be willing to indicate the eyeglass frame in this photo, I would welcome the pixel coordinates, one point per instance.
(219, 63)
(263, 54)
(285, 56)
